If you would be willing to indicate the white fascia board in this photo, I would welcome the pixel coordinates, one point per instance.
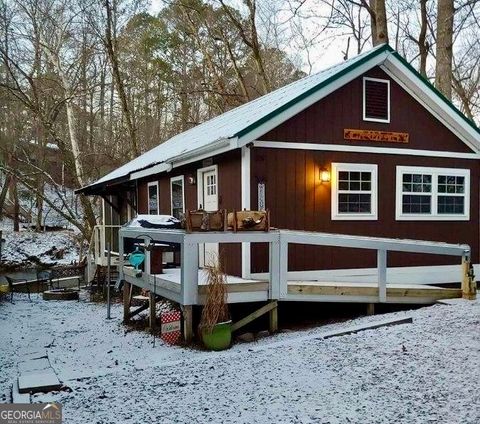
(364, 149)
(156, 169)
(431, 101)
(313, 98)
(196, 156)
(221, 146)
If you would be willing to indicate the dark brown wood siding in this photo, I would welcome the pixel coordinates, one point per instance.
(298, 200)
(325, 121)
(229, 196)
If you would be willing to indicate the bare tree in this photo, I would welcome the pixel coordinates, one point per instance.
(443, 68)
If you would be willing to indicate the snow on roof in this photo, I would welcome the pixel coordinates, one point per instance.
(229, 124)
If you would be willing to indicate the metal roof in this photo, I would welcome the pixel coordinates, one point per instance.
(225, 130)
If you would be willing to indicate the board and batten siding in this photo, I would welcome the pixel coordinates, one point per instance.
(229, 196)
(325, 121)
(298, 200)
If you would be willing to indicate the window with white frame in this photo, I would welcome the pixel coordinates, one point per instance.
(153, 208)
(376, 100)
(354, 191)
(425, 193)
(177, 197)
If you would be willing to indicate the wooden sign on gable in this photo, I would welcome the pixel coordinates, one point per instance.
(370, 135)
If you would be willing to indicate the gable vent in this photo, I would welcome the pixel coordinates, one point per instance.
(376, 100)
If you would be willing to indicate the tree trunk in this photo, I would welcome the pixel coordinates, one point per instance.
(443, 69)
(373, 19)
(422, 38)
(380, 23)
(16, 205)
(3, 193)
(110, 45)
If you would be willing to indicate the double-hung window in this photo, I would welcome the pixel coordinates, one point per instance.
(354, 191)
(425, 193)
(153, 208)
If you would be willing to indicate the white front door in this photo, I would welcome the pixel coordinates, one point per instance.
(208, 201)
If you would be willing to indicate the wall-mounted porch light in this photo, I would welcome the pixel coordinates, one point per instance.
(324, 175)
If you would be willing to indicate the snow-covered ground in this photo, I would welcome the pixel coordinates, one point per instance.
(27, 247)
(423, 372)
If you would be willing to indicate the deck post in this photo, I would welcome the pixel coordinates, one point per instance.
(189, 273)
(273, 318)
(274, 283)
(469, 285)
(152, 316)
(147, 263)
(382, 274)
(187, 323)
(126, 301)
(120, 257)
(283, 273)
(189, 285)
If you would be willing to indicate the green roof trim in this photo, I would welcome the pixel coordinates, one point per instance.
(436, 91)
(336, 76)
(308, 93)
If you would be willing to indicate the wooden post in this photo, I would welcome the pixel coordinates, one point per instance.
(152, 301)
(126, 301)
(370, 308)
(469, 285)
(274, 284)
(382, 274)
(273, 318)
(187, 323)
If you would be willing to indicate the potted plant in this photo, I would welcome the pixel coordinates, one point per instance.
(215, 324)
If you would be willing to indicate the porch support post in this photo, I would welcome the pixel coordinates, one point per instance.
(283, 274)
(469, 285)
(274, 286)
(126, 302)
(189, 284)
(245, 192)
(382, 274)
(273, 318)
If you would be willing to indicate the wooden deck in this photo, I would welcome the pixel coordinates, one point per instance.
(187, 285)
(240, 290)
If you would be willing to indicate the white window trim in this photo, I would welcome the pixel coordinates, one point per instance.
(360, 167)
(151, 184)
(173, 179)
(434, 215)
(365, 118)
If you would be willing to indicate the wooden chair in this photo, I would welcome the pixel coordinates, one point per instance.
(11, 281)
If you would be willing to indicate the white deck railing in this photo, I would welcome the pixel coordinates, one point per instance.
(102, 235)
(279, 241)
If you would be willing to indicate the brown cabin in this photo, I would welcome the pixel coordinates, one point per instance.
(367, 147)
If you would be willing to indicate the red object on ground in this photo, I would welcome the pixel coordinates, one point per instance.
(171, 328)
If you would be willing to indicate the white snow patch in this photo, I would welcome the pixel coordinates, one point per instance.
(166, 220)
(56, 247)
(426, 371)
